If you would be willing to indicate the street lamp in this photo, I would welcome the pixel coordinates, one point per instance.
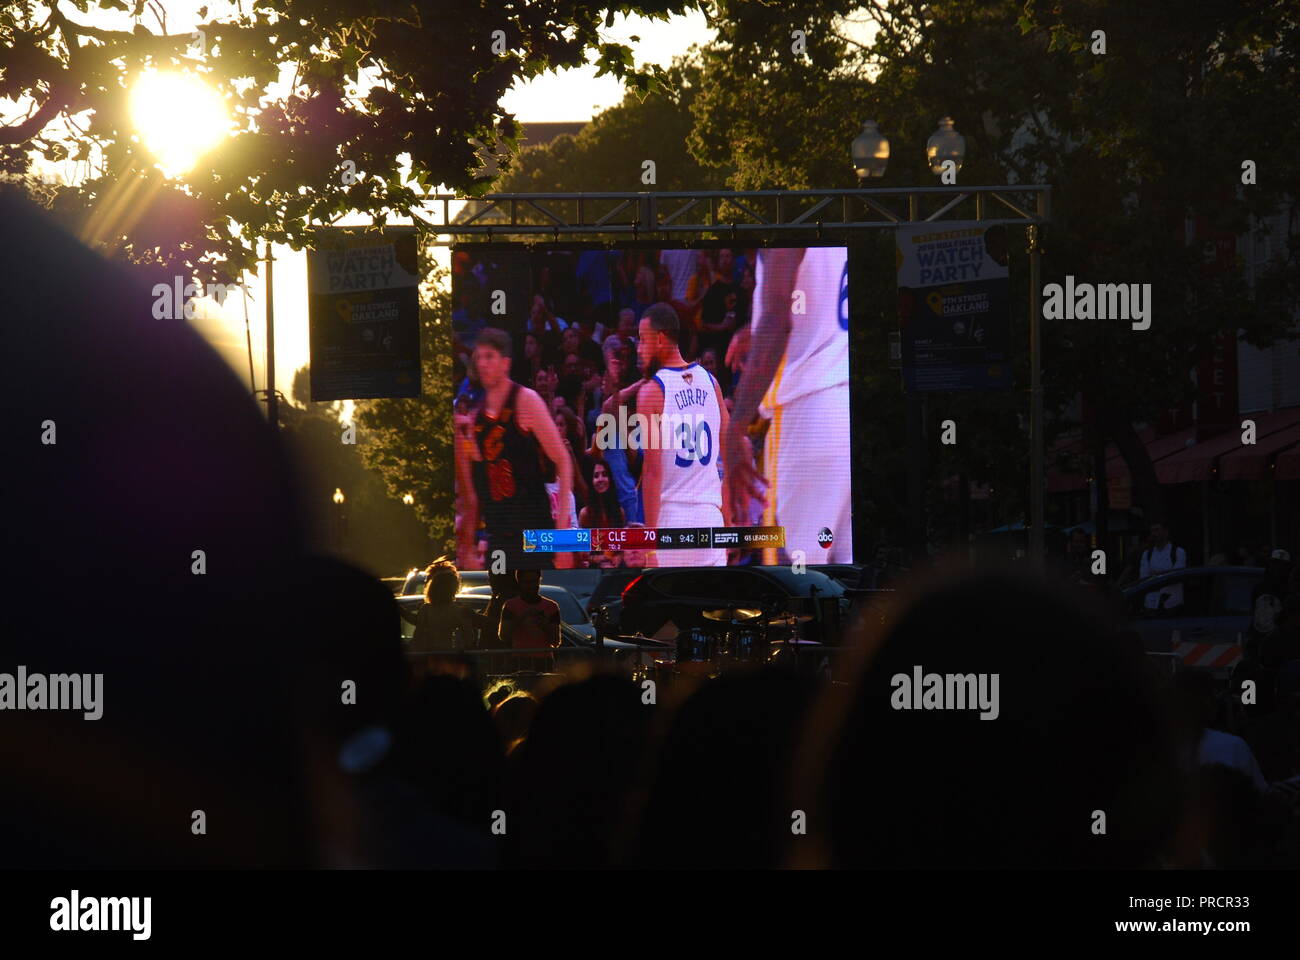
(870, 152)
(338, 517)
(945, 144)
(408, 499)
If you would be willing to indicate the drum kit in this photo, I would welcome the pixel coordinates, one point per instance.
(736, 638)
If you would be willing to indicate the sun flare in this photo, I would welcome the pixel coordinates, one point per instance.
(178, 117)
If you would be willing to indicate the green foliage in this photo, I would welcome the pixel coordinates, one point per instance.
(379, 84)
(1133, 142)
(408, 442)
(607, 154)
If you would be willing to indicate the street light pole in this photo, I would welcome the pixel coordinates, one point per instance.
(1037, 540)
(272, 401)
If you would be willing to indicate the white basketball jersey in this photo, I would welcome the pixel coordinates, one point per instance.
(690, 432)
(817, 353)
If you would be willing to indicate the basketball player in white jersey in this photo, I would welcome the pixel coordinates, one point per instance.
(797, 375)
(680, 483)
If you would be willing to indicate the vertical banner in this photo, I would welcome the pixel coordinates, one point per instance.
(953, 307)
(1216, 369)
(364, 315)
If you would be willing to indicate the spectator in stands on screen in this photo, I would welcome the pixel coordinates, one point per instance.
(546, 381)
(579, 490)
(709, 361)
(589, 339)
(720, 311)
(687, 313)
(627, 324)
(624, 464)
(531, 362)
(547, 328)
(602, 509)
(680, 265)
(570, 384)
(596, 283)
(470, 388)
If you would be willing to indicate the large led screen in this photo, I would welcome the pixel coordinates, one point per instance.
(651, 407)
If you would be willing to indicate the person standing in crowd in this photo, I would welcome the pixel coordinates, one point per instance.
(530, 621)
(440, 623)
(1266, 606)
(1161, 557)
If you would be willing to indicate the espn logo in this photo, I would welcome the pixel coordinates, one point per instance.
(825, 537)
(721, 538)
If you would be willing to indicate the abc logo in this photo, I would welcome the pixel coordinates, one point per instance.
(824, 537)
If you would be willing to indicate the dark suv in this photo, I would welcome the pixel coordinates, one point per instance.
(680, 595)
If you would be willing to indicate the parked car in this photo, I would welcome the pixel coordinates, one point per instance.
(1207, 630)
(609, 591)
(414, 583)
(581, 582)
(662, 601)
(848, 574)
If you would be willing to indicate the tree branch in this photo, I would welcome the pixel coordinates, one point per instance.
(60, 96)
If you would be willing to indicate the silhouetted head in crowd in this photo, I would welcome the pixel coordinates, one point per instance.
(718, 789)
(529, 582)
(352, 648)
(513, 716)
(572, 775)
(503, 584)
(442, 582)
(1041, 720)
(448, 747)
(133, 443)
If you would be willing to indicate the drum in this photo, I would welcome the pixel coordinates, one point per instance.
(697, 651)
(745, 644)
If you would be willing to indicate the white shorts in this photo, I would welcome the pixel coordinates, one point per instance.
(809, 475)
(691, 515)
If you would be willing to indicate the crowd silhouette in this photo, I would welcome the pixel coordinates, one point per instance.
(271, 693)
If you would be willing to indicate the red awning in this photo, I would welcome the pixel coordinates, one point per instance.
(1158, 448)
(1251, 462)
(1199, 461)
(1287, 465)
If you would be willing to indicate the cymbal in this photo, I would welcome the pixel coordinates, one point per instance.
(733, 614)
(791, 618)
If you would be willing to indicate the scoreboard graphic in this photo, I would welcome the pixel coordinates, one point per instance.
(580, 540)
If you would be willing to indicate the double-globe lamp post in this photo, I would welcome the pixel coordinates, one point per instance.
(870, 153)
